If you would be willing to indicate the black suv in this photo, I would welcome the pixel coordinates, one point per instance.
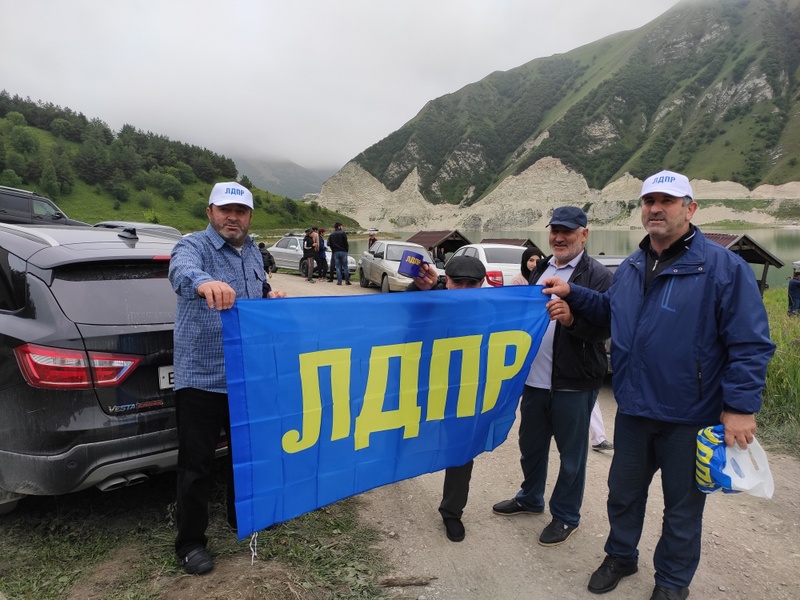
(86, 320)
(20, 206)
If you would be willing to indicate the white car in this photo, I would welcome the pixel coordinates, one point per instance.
(379, 265)
(502, 261)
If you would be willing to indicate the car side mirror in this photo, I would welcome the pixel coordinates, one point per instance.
(378, 255)
(58, 215)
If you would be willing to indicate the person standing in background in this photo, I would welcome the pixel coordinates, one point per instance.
(597, 431)
(340, 247)
(309, 254)
(794, 294)
(322, 256)
(527, 264)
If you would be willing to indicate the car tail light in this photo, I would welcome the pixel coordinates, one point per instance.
(56, 368)
(494, 278)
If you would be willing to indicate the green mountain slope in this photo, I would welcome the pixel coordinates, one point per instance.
(709, 88)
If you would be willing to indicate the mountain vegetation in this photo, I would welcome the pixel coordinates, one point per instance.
(710, 89)
(96, 174)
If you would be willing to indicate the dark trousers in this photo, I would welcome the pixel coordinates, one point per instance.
(455, 491)
(563, 416)
(641, 447)
(201, 416)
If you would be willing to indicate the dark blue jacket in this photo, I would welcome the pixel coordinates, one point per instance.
(696, 342)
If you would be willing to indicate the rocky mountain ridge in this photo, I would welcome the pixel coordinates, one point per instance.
(528, 199)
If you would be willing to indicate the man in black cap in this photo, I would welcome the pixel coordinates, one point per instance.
(561, 387)
(337, 241)
(461, 272)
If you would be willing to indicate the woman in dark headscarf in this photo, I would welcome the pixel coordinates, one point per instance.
(527, 265)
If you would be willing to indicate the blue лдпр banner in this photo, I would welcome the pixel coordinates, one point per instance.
(333, 396)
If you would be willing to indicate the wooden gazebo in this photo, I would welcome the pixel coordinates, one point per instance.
(449, 240)
(749, 250)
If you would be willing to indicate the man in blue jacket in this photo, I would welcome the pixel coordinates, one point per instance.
(690, 346)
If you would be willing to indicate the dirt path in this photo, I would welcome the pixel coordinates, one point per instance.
(751, 546)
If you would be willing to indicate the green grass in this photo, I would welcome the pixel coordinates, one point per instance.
(53, 544)
(779, 419)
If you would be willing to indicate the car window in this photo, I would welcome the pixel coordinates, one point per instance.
(395, 252)
(7, 301)
(377, 247)
(15, 203)
(134, 293)
(41, 208)
(471, 252)
(283, 243)
(511, 255)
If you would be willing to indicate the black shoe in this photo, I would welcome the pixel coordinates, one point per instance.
(511, 507)
(556, 533)
(662, 593)
(604, 445)
(338, 283)
(609, 574)
(196, 561)
(348, 282)
(454, 529)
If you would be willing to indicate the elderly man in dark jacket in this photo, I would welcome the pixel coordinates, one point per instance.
(561, 387)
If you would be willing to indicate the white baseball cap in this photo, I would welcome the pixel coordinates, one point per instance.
(667, 182)
(230, 192)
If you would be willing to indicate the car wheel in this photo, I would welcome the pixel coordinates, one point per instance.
(385, 285)
(304, 268)
(362, 281)
(8, 507)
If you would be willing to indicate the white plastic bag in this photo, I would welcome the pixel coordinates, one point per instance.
(731, 469)
(749, 471)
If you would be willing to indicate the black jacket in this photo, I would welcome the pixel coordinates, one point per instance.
(337, 241)
(579, 354)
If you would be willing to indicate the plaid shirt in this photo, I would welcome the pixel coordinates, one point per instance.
(204, 256)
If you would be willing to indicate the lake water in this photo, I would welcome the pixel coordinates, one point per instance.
(783, 243)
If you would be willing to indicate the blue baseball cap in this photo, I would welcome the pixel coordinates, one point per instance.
(570, 217)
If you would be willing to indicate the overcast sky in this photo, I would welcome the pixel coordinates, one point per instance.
(311, 81)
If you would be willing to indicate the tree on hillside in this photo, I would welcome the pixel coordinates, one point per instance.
(61, 159)
(15, 119)
(49, 181)
(22, 140)
(124, 157)
(245, 181)
(92, 162)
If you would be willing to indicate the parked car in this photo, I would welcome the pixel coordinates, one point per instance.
(148, 227)
(86, 321)
(379, 265)
(22, 206)
(288, 254)
(502, 261)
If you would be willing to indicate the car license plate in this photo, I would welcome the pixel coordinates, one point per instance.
(166, 378)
